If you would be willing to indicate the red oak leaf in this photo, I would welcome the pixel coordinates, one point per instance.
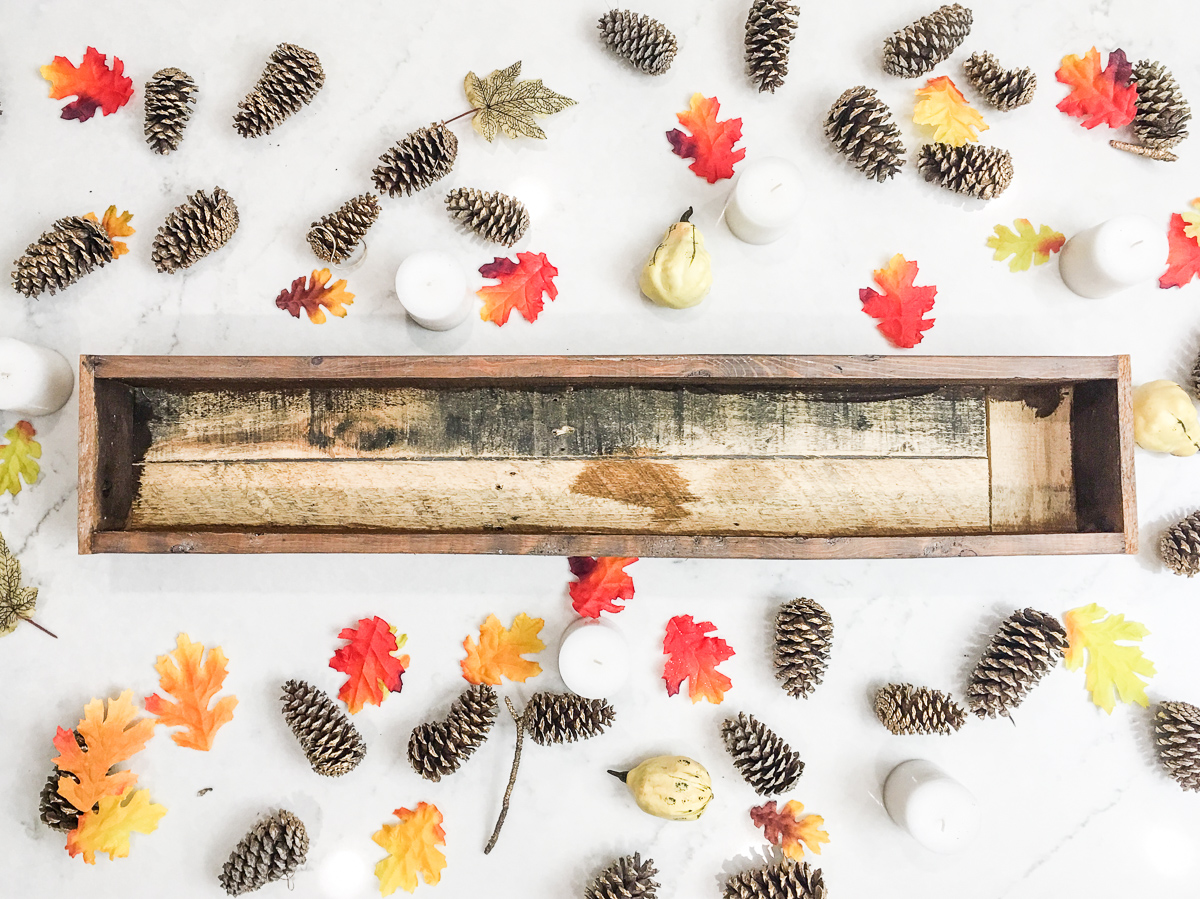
(93, 83)
(789, 829)
(368, 659)
(711, 142)
(521, 286)
(695, 655)
(1183, 263)
(1098, 97)
(600, 582)
(901, 307)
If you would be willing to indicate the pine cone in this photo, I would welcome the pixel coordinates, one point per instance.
(194, 229)
(493, 216)
(55, 811)
(272, 850)
(625, 878)
(1006, 89)
(926, 42)
(905, 709)
(565, 717)
(1162, 111)
(644, 42)
(1177, 736)
(1180, 546)
(1196, 377)
(332, 744)
(770, 28)
(72, 248)
(290, 81)
(861, 127)
(783, 880)
(334, 237)
(1027, 645)
(803, 636)
(169, 95)
(766, 762)
(973, 169)
(438, 748)
(422, 157)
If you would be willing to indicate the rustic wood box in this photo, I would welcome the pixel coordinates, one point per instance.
(707, 456)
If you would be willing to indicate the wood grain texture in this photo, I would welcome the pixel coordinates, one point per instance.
(1029, 445)
(89, 512)
(1129, 522)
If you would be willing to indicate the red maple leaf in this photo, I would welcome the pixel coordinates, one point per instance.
(600, 582)
(368, 659)
(93, 83)
(711, 142)
(695, 655)
(901, 307)
(1098, 97)
(1183, 262)
(521, 286)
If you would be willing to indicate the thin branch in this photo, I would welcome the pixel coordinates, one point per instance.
(470, 111)
(40, 628)
(512, 778)
(1160, 153)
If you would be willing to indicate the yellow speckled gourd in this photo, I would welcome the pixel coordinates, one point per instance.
(678, 273)
(669, 786)
(1164, 419)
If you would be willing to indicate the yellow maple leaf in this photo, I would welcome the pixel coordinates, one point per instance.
(110, 737)
(943, 106)
(1026, 246)
(193, 683)
(412, 849)
(115, 226)
(16, 458)
(1193, 220)
(1111, 666)
(498, 653)
(108, 828)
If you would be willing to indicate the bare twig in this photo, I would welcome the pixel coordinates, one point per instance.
(40, 628)
(459, 116)
(1160, 153)
(512, 778)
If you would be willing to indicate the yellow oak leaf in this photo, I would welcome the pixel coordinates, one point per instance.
(108, 828)
(943, 106)
(115, 226)
(412, 849)
(193, 684)
(1111, 666)
(1026, 246)
(16, 458)
(498, 653)
(1193, 221)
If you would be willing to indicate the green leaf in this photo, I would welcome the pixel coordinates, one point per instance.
(1026, 246)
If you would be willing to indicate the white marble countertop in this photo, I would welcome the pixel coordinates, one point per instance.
(1073, 800)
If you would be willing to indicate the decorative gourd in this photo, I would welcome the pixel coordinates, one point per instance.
(669, 786)
(1164, 419)
(678, 273)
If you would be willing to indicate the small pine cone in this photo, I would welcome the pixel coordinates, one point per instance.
(194, 229)
(290, 80)
(766, 762)
(438, 748)
(272, 850)
(1028, 644)
(803, 635)
(55, 811)
(973, 169)
(861, 127)
(1162, 111)
(783, 880)
(1005, 89)
(905, 709)
(334, 237)
(644, 42)
(1196, 377)
(565, 717)
(928, 41)
(1177, 736)
(770, 28)
(169, 95)
(72, 248)
(625, 878)
(421, 158)
(332, 744)
(493, 216)
(1180, 546)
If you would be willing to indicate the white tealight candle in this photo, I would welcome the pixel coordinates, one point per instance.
(1113, 255)
(432, 288)
(939, 812)
(34, 380)
(593, 660)
(765, 200)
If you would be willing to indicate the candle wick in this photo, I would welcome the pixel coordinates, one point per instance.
(1137, 243)
(776, 187)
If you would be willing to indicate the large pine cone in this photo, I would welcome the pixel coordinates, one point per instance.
(861, 127)
(1177, 736)
(766, 762)
(438, 748)
(565, 717)
(332, 744)
(169, 95)
(973, 169)
(1028, 644)
(625, 878)
(644, 42)
(333, 237)
(770, 28)
(1180, 546)
(1162, 111)
(784, 880)
(930, 40)
(272, 850)
(72, 248)
(803, 636)
(289, 82)
(1005, 89)
(493, 216)
(905, 709)
(421, 158)
(194, 229)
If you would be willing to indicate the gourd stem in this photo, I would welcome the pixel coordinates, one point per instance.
(620, 775)
(459, 116)
(40, 628)
(687, 215)
(512, 778)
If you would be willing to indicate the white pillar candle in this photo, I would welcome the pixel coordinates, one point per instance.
(939, 812)
(432, 288)
(593, 659)
(34, 380)
(765, 200)
(1114, 255)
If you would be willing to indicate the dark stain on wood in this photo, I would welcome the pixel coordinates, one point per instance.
(652, 485)
(1043, 399)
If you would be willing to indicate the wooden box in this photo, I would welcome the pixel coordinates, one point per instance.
(703, 456)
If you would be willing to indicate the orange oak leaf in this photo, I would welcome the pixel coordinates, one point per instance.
(1183, 261)
(521, 286)
(600, 582)
(498, 653)
(110, 738)
(193, 683)
(314, 295)
(694, 655)
(1098, 97)
(108, 828)
(412, 849)
(711, 142)
(789, 828)
(94, 84)
(116, 226)
(369, 661)
(901, 307)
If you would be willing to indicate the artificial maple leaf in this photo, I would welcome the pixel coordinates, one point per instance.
(789, 828)
(504, 104)
(521, 286)
(16, 458)
(368, 660)
(498, 653)
(314, 295)
(600, 582)
(108, 828)
(1192, 219)
(695, 655)
(1183, 260)
(1110, 666)
(1026, 246)
(901, 307)
(115, 226)
(711, 142)
(193, 684)
(412, 849)
(94, 83)
(110, 737)
(17, 603)
(1098, 97)
(943, 106)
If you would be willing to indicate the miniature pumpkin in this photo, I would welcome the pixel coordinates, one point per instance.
(669, 786)
(678, 273)
(1164, 419)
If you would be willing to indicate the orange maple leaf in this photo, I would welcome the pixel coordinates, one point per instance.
(412, 849)
(193, 683)
(521, 287)
(694, 655)
(498, 653)
(115, 226)
(108, 828)
(314, 295)
(600, 582)
(1098, 97)
(110, 738)
(94, 83)
(711, 142)
(373, 671)
(901, 307)
(1183, 261)
(788, 830)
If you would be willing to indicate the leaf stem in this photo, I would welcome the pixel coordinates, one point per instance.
(512, 778)
(470, 111)
(40, 628)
